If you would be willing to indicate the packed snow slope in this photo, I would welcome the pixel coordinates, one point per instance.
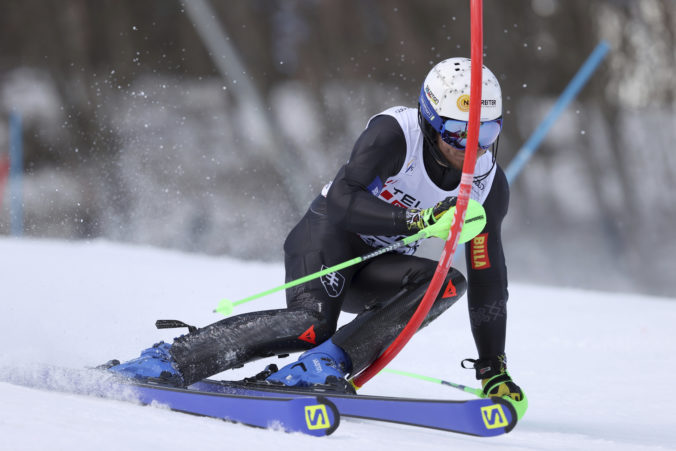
(597, 367)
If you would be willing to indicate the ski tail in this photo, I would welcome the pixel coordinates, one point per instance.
(308, 414)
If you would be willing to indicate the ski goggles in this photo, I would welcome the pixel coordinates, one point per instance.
(454, 132)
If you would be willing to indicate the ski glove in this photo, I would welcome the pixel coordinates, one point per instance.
(496, 381)
(501, 386)
(436, 221)
(417, 219)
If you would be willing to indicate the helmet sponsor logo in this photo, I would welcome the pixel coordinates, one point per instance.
(431, 96)
(463, 103)
(427, 111)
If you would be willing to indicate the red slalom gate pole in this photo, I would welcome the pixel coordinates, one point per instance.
(446, 259)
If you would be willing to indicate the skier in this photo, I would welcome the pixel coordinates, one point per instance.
(402, 176)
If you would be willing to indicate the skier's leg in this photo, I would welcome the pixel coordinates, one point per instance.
(312, 308)
(226, 344)
(233, 341)
(387, 292)
(310, 318)
(381, 320)
(313, 245)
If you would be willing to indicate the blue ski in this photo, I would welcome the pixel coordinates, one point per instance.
(478, 417)
(309, 414)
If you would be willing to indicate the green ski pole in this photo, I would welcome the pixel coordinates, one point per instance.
(226, 307)
(519, 406)
(475, 220)
(474, 391)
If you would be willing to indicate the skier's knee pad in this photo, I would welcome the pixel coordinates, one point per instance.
(382, 322)
(452, 289)
(415, 285)
(454, 286)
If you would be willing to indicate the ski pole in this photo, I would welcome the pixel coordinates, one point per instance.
(226, 307)
(475, 224)
(519, 406)
(474, 391)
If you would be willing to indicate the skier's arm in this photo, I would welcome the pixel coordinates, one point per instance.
(487, 275)
(378, 154)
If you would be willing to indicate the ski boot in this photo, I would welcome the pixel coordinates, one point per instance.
(322, 367)
(155, 363)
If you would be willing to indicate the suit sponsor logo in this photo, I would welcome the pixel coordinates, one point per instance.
(397, 197)
(309, 335)
(479, 252)
(450, 290)
(410, 167)
(375, 186)
(333, 283)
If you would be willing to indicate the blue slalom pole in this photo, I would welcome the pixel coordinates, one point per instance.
(15, 175)
(571, 91)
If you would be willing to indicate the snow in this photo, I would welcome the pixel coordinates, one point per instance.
(594, 365)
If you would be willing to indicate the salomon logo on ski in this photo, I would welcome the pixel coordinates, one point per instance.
(317, 417)
(493, 416)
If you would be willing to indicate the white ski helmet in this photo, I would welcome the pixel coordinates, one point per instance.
(445, 93)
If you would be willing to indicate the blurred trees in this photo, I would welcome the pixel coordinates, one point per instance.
(132, 133)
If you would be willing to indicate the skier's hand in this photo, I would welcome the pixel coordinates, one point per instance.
(502, 386)
(417, 219)
(496, 382)
(439, 220)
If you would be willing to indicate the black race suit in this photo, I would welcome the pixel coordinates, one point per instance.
(384, 291)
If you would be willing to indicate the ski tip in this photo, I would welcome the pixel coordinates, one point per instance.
(334, 414)
(499, 418)
(519, 406)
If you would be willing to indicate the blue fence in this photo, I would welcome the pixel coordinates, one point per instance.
(576, 84)
(15, 175)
